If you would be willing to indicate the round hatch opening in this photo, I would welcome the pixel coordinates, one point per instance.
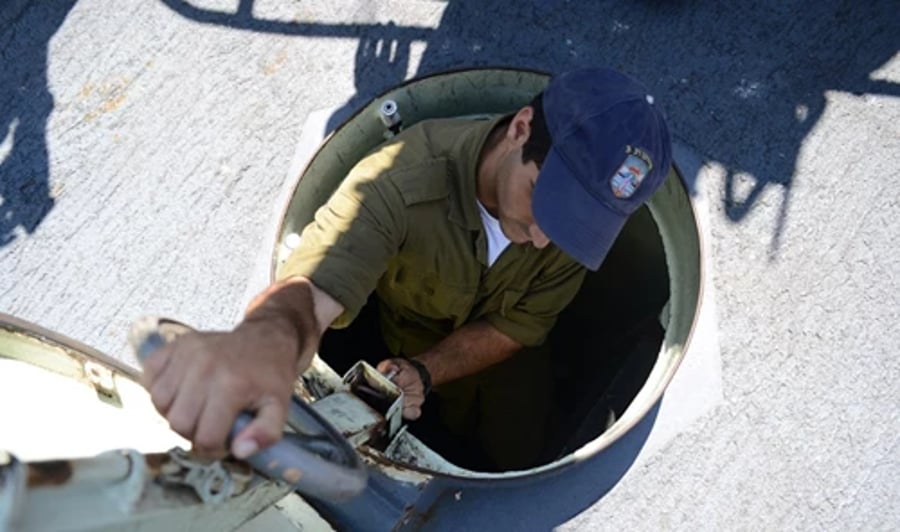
(614, 348)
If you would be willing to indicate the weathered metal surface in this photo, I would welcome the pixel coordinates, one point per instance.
(13, 484)
(353, 418)
(214, 481)
(290, 513)
(52, 473)
(80, 403)
(409, 450)
(68, 436)
(142, 504)
(125, 491)
(379, 392)
(313, 458)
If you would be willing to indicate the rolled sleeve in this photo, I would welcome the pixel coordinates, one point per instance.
(346, 248)
(527, 316)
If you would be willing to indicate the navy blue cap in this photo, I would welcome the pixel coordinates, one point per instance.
(610, 152)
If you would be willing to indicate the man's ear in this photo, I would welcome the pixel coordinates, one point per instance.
(520, 126)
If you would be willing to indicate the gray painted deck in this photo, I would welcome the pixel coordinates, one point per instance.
(143, 145)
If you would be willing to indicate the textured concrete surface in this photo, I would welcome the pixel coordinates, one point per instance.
(143, 143)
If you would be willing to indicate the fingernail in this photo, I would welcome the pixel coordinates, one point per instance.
(244, 448)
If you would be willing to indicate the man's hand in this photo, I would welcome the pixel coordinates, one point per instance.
(408, 379)
(201, 382)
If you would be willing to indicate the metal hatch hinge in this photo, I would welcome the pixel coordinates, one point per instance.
(211, 481)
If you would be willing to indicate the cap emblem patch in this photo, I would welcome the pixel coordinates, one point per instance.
(628, 177)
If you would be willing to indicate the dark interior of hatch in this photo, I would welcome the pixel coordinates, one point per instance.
(603, 347)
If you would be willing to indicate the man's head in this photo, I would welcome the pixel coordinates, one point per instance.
(610, 150)
(518, 148)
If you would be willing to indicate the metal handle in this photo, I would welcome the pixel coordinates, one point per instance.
(317, 460)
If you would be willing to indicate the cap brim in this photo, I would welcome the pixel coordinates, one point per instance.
(578, 223)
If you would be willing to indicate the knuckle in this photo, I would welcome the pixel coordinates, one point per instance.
(155, 362)
(266, 433)
(413, 388)
(209, 442)
(269, 434)
(207, 454)
(414, 401)
(158, 403)
(161, 396)
(192, 341)
(282, 379)
(270, 423)
(181, 423)
(234, 384)
(203, 364)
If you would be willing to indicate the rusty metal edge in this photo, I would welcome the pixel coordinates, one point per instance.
(72, 348)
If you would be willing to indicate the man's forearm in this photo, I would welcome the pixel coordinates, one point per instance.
(299, 306)
(466, 351)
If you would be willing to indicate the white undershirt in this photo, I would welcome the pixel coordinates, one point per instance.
(496, 240)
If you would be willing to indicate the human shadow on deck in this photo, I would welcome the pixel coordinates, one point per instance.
(382, 56)
(25, 106)
(743, 84)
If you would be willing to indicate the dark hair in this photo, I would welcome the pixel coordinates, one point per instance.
(538, 143)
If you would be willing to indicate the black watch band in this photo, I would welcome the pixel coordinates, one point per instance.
(423, 374)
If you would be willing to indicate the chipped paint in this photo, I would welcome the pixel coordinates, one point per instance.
(270, 67)
(408, 451)
(86, 91)
(101, 378)
(113, 466)
(109, 105)
(83, 381)
(111, 96)
(292, 475)
(393, 469)
(52, 473)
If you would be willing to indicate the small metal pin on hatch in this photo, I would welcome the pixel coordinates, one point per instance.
(390, 117)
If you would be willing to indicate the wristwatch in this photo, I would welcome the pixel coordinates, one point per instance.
(423, 374)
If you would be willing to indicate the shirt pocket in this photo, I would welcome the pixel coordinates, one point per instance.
(431, 296)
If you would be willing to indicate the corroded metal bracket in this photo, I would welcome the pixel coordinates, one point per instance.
(211, 480)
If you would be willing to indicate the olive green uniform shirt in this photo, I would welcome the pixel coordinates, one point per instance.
(405, 223)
